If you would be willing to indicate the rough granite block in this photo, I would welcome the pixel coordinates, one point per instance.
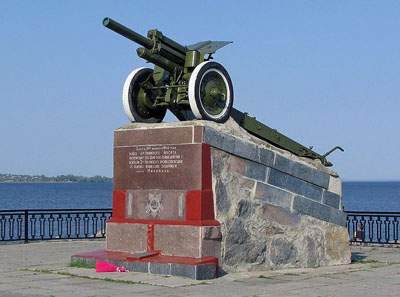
(212, 137)
(228, 143)
(320, 178)
(277, 178)
(335, 185)
(222, 200)
(256, 171)
(182, 240)
(338, 217)
(205, 271)
(331, 199)
(237, 164)
(129, 238)
(137, 266)
(303, 205)
(280, 215)
(160, 268)
(88, 261)
(283, 164)
(267, 173)
(244, 149)
(219, 140)
(115, 262)
(313, 192)
(301, 171)
(265, 156)
(274, 196)
(183, 270)
(244, 209)
(321, 211)
(295, 185)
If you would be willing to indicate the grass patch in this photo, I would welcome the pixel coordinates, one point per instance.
(291, 274)
(120, 281)
(359, 261)
(374, 249)
(265, 277)
(42, 271)
(81, 264)
(74, 275)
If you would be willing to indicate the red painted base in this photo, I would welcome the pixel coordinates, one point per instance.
(155, 263)
(157, 258)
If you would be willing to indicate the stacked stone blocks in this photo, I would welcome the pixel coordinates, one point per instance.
(280, 181)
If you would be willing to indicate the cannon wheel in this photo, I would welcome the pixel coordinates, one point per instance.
(137, 101)
(210, 92)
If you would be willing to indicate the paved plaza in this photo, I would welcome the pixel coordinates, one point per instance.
(41, 269)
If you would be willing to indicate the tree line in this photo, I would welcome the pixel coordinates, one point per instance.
(58, 178)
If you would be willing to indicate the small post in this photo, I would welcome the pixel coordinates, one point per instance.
(26, 226)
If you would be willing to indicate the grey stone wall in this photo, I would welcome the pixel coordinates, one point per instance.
(282, 181)
(276, 210)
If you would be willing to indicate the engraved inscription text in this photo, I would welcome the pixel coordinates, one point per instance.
(155, 159)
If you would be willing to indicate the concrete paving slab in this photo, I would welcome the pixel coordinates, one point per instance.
(34, 292)
(364, 279)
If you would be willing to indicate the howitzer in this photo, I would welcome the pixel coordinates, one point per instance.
(184, 80)
(187, 83)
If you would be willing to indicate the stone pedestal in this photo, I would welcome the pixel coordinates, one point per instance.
(217, 196)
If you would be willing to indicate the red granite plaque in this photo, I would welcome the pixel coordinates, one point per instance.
(163, 167)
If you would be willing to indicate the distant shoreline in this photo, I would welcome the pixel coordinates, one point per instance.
(69, 178)
(54, 182)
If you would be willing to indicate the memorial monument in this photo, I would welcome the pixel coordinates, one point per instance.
(218, 191)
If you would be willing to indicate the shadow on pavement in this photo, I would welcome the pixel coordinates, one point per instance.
(357, 256)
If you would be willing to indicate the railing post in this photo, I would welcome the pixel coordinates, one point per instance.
(26, 226)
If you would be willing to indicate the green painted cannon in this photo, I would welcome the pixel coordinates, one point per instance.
(186, 82)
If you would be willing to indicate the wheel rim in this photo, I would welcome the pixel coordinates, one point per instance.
(142, 105)
(213, 92)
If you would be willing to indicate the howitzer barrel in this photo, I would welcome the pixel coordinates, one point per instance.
(168, 49)
(128, 33)
(157, 60)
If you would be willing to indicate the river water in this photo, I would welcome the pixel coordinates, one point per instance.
(357, 196)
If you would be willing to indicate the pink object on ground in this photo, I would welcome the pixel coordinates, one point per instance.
(102, 266)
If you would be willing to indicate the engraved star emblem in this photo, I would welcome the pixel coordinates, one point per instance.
(154, 205)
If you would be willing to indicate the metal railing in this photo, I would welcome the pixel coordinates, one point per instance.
(46, 224)
(373, 227)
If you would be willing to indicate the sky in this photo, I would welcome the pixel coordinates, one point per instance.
(324, 73)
